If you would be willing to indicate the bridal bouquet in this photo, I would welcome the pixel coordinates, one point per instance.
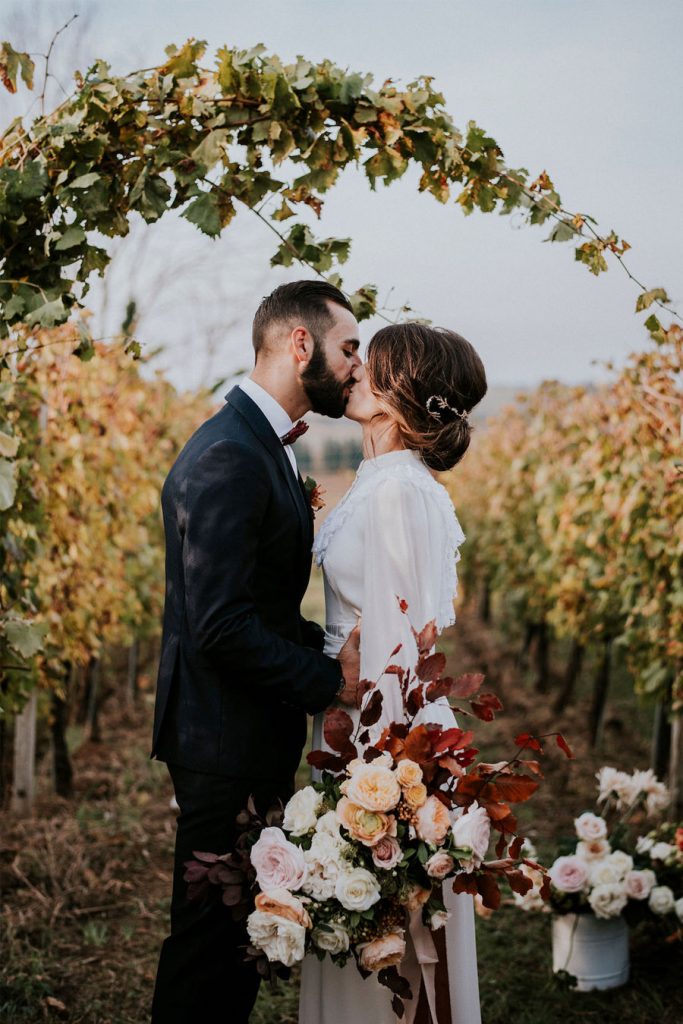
(612, 870)
(399, 811)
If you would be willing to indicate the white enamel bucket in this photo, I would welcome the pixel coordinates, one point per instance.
(592, 949)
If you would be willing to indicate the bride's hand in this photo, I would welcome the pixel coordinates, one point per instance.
(349, 657)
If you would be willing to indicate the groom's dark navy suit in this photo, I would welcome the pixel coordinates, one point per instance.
(239, 671)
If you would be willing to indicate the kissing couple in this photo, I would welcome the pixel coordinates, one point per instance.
(241, 668)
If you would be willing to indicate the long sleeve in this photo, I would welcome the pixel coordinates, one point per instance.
(219, 556)
(407, 540)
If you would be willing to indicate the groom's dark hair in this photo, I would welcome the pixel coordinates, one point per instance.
(305, 301)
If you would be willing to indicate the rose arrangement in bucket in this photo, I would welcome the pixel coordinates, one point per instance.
(356, 860)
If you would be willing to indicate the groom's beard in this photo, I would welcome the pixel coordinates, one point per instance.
(327, 395)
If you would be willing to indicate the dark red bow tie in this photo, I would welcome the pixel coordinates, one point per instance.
(291, 435)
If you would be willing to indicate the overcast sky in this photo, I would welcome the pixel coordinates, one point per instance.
(588, 89)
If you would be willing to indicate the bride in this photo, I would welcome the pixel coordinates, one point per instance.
(395, 535)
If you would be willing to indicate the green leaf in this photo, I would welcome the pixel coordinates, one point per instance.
(11, 63)
(645, 299)
(49, 314)
(563, 231)
(73, 235)
(32, 181)
(364, 302)
(85, 180)
(183, 63)
(26, 638)
(205, 214)
(8, 484)
(211, 148)
(8, 445)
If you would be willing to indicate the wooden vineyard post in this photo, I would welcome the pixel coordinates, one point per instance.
(23, 784)
(676, 768)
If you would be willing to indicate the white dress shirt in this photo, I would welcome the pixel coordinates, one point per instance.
(274, 413)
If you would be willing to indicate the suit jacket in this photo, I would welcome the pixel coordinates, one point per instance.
(239, 666)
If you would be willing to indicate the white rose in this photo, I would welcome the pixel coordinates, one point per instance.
(472, 831)
(644, 844)
(279, 938)
(656, 793)
(604, 872)
(660, 851)
(324, 862)
(301, 812)
(610, 781)
(328, 823)
(594, 849)
(661, 900)
(334, 938)
(590, 826)
(438, 919)
(678, 907)
(622, 862)
(357, 889)
(639, 884)
(608, 900)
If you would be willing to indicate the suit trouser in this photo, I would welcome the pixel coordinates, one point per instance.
(202, 975)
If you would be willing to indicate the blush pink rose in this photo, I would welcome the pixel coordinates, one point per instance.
(432, 821)
(569, 874)
(278, 863)
(439, 864)
(387, 853)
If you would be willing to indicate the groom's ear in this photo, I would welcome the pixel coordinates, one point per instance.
(302, 346)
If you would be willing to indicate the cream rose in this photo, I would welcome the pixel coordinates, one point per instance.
(661, 900)
(472, 831)
(408, 772)
(281, 903)
(611, 782)
(678, 907)
(569, 874)
(594, 849)
(279, 938)
(385, 951)
(644, 844)
(621, 862)
(590, 826)
(639, 884)
(324, 861)
(328, 823)
(278, 863)
(334, 938)
(432, 821)
(657, 796)
(368, 827)
(608, 900)
(374, 787)
(661, 851)
(387, 853)
(438, 919)
(439, 864)
(357, 889)
(604, 872)
(301, 812)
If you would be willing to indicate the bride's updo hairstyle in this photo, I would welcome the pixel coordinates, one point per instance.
(428, 379)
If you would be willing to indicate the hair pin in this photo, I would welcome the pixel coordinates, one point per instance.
(442, 405)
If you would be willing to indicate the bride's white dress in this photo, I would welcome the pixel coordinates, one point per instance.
(393, 535)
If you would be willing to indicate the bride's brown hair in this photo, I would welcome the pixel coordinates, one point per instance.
(413, 370)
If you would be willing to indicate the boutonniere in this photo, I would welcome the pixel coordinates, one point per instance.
(314, 493)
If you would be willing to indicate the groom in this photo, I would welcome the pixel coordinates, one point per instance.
(240, 668)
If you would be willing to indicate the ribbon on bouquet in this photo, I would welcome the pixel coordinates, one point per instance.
(419, 965)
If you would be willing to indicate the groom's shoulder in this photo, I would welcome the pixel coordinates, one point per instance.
(225, 430)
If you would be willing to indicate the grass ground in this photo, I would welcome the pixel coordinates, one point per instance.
(85, 884)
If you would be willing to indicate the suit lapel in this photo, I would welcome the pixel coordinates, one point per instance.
(258, 423)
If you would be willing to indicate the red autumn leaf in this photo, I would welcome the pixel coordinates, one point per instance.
(440, 688)
(465, 883)
(326, 761)
(395, 670)
(338, 729)
(525, 739)
(430, 667)
(516, 847)
(500, 845)
(519, 882)
(418, 745)
(486, 707)
(533, 766)
(372, 710)
(364, 686)
(426, 638)
(403, 605)
(515, 788)
(452, 766)
(563, 745)
(544, 891)
(205, 858)
(396, 649)
(465, 686)
(371, 754)
(489, 891)
(452, 739)
(415, 700)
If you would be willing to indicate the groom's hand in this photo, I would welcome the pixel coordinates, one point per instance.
(349, 657)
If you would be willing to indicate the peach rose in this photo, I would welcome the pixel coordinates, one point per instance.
(439, 864)
(417, 897)
(386, 951)
(408, 772)
(281, 903)
(415, 795)
(368, 827)
(433, 821)
(373, 787)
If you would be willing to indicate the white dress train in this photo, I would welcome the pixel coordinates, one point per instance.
(393, 535)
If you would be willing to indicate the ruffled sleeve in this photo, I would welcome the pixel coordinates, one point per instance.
(410, 550)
